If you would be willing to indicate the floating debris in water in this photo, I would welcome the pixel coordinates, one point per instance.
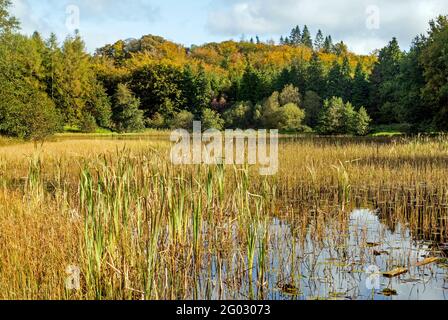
(290, 289)
(389, 292)
(338, 294)
(410, 280)
(395, 273)
(427, 261)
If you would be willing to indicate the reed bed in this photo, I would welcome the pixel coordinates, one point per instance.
(138, 227)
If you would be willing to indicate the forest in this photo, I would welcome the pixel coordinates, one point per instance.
(303, 83)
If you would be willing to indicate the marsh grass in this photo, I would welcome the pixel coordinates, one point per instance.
(141, 228)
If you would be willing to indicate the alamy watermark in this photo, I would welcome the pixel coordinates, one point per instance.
(232, 147)
(373, 278)
(73, 15)
(373, 21)
(73, 280)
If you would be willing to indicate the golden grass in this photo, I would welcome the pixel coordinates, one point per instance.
(141, 228)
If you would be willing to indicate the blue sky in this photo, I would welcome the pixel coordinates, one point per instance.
(363, 24)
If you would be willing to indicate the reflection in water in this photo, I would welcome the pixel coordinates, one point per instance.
(335, 267)
(399, 249)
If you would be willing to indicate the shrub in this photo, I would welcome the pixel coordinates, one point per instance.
(269, 112)
(239, 116)
(87, 124)
(258, 115)
(41, 119)
(211, 120)
(290, 117)
(156, 122)
(182, 120)
(33, 118)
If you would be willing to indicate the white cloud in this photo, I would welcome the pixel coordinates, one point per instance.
(343, 19)
(101, 21)
(29, 20)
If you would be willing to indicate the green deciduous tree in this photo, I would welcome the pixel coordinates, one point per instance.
(290, 117)
(211, 120)
(159, 88)
(274, 115)
(362, 122)
(127, 117)
(338, 117)
(31, 115)
(330, 118)
(290, 94)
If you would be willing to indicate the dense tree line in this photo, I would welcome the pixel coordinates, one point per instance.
(300, 84)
